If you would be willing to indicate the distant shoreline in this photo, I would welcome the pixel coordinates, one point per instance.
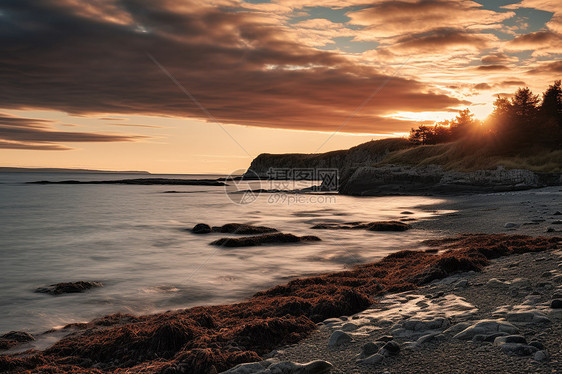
(63, 170)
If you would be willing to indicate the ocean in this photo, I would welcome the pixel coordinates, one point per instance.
(135, 240)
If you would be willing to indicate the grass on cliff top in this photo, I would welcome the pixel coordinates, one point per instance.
(464, 156)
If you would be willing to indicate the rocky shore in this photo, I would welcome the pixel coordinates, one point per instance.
(433, 179)
(217, 338)
(505, 319)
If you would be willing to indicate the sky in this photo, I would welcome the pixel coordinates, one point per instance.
(186, 86)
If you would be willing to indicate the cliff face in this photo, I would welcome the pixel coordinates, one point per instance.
(345, 160)
(358, 176)
(401, 179)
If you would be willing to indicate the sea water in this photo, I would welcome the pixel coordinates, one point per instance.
(135, 239)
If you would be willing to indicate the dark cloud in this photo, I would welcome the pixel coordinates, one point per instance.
(241, 66)
(390, 17)
(31, 146)
(482, 86)
(538, 37)
(548, 67)
(29, 133)
(496, 58)
(508, 83)
(438, 39)
(542, 42)
(493, 67)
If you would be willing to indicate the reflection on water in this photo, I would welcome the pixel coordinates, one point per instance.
(134, 240)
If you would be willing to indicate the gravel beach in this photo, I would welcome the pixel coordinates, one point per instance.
(443, 353)
(517, 290)
(530, 212)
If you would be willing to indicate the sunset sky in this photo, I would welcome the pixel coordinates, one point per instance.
(183, 86)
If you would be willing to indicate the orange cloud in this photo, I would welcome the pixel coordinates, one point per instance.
(243, 68)
(392, 18)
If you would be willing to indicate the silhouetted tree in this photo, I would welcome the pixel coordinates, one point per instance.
(551, 114)
(421, 135)
(521, 123)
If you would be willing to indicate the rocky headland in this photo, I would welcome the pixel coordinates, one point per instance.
(384, 167)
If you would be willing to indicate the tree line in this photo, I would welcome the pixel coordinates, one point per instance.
(524, 121)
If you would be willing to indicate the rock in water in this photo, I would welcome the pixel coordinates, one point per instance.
(388, 226)
(240, 228)
(250, 241)
(201, 228)
(372, 226)
(68, 287)
(556, 304)
(232, 228)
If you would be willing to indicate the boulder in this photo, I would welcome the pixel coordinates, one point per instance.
(531, 316)
(388, 226)
(518, 349)
(521, 283)
(369, 349)
(338, 338)
(391, 348)
(520, 339)
(486, 327)
(496, 283)
(201, 228)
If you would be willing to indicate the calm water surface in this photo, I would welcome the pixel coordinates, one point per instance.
(134, 240)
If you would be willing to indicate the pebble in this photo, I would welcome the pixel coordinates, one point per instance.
(392, 347)
(496, 283)
(349, 326)
(510, 339)
(540, 356)
(369, 349)
(537, 345)
(517, 349)
(373, 359)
